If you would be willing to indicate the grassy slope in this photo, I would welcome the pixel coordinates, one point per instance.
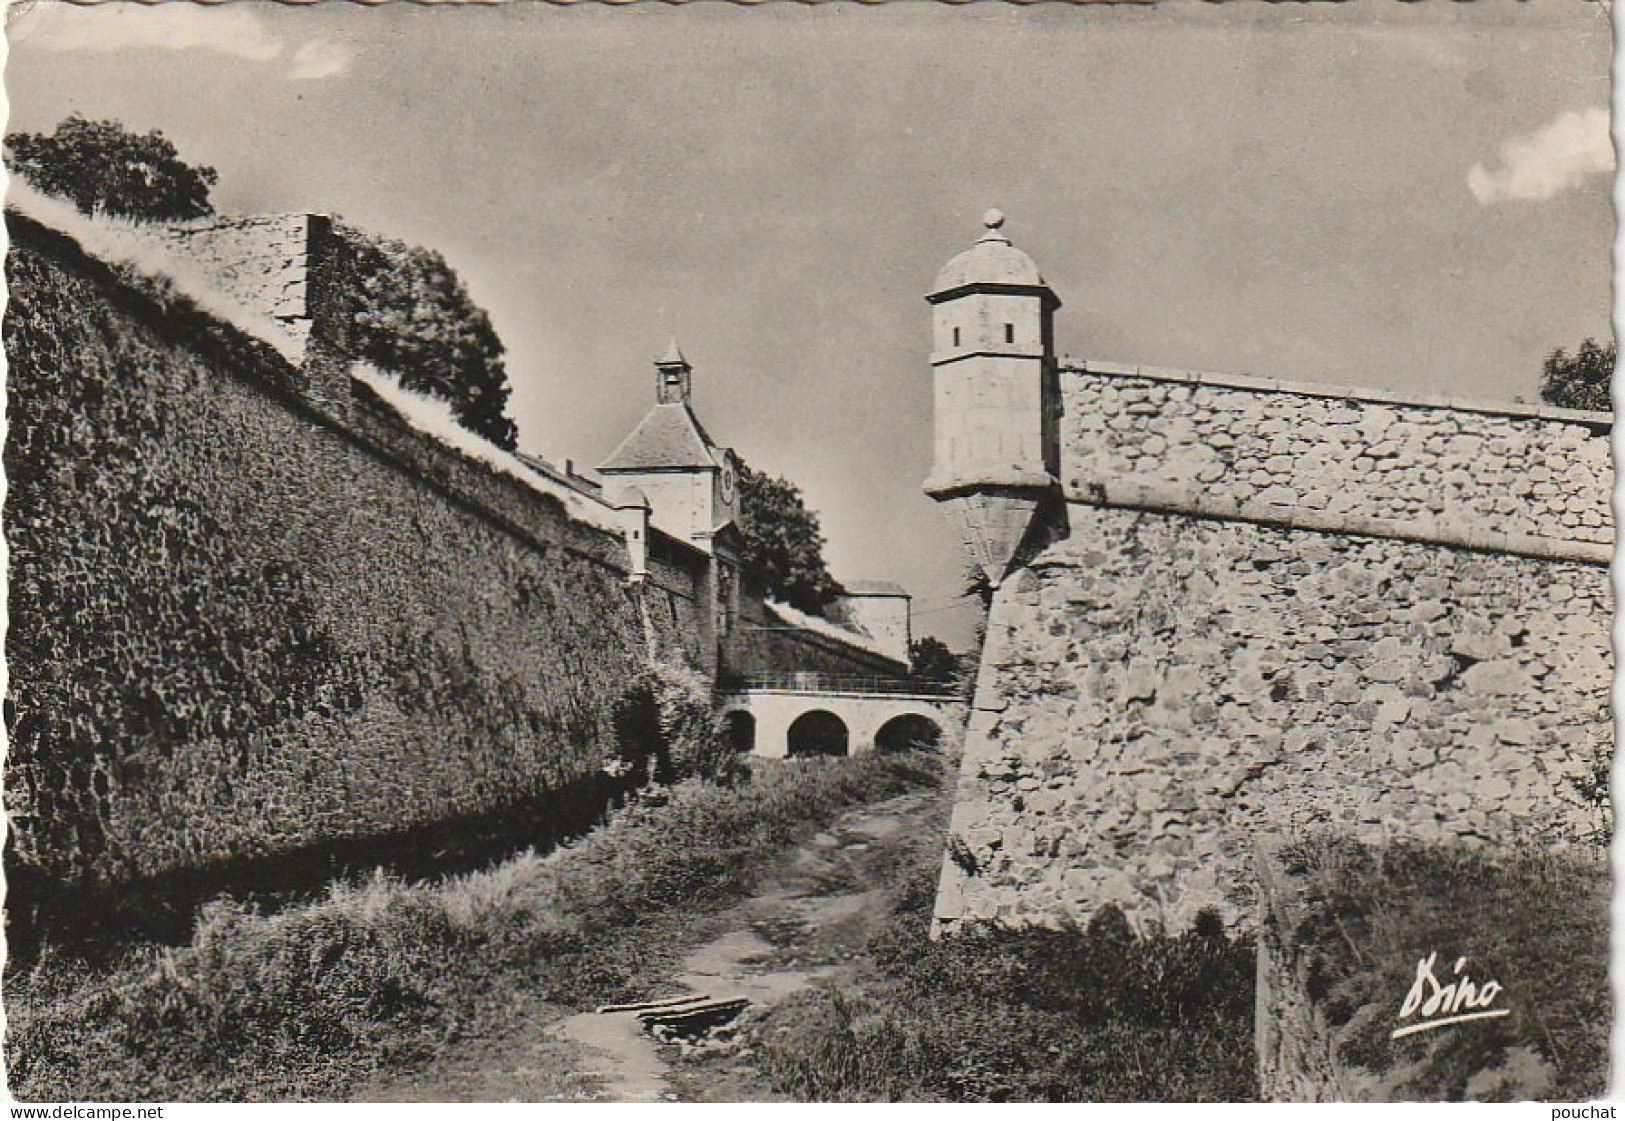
(306, 1002)
(1535, 922)
(1100, 1015)
(1023, 1015)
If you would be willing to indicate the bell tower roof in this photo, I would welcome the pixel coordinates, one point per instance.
(670, 437)
(673, 356)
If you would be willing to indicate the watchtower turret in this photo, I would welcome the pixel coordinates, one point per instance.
(996, 395)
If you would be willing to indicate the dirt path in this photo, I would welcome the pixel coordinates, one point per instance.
(809, 921)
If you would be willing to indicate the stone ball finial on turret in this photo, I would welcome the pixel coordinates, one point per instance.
(992, 260)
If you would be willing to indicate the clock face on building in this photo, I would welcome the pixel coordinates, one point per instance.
(729, 483)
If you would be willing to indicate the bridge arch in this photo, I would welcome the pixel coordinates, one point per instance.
(910, 729)
(874, 715)
(739, 730)
(817, 732)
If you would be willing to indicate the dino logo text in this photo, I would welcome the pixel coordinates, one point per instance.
(1439, 1003)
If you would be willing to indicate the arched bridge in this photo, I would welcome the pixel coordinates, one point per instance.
(787, 714)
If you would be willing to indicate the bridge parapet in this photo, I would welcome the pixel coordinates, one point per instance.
(839, 683)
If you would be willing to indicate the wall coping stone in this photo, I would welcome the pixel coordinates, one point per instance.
(1190, 503)
(1598, 422)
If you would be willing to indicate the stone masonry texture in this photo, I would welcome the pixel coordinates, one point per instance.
(1432, 470)
(262, 260)
(1183, 667)
(760, 642)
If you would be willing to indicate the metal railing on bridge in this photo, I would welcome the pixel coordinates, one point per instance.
(810, 682)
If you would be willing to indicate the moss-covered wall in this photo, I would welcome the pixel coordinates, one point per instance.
(240, 626)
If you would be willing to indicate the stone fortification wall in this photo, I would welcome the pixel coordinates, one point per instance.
(1519, 478)
(246, 622)
(674, 598)
(1297, 1049)
(1165, 680)
(765, 640)
(262, 261)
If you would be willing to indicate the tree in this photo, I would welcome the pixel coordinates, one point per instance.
(1580, 380)
(102, 167)
(411, 313)
(783, 551)
(413, 316)
(931, 660)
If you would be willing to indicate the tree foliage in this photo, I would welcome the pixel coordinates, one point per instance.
(783, 550)
(102, 167)
(411, 313)
(414, 316)
(931, 660)
(1580, 380)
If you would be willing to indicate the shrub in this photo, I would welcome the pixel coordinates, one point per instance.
(690, 727)
(1032, 1014)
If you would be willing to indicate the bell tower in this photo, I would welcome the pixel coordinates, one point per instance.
(690, 483)
(996, 395)
(674, 377)
(676, 480)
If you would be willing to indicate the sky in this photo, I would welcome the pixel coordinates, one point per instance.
(1401, 196)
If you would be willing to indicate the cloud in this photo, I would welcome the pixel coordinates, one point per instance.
(231, 30)
(118, 27)
(1556, 156)
(318, 58)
